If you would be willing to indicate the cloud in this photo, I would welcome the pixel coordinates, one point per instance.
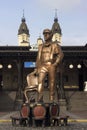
(60, 4)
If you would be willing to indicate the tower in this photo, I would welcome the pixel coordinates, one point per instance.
(39, 41)
(57, 34)
(23, 33)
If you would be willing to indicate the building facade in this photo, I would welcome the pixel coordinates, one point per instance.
(18, 61)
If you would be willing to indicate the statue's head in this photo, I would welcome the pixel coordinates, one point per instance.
(47, 34)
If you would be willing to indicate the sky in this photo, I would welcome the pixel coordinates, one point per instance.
(39, 14)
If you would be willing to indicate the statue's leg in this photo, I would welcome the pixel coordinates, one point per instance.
(40, 85)
(52, 81)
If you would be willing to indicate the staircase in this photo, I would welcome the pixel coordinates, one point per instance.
(77, 100)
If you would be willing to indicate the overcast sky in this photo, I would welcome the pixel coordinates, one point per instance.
(39, 14)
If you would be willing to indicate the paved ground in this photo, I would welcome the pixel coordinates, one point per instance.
(75, 122)
(72, 126)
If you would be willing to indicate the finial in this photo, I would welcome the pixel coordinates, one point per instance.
(23, 18)
(23, 13)
(55, 13)
(55, 19)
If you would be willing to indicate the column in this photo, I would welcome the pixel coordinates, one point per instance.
(19, 94)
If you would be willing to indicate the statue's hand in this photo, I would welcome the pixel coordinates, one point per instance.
(55, 64)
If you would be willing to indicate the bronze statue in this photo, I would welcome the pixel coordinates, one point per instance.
(48, 58)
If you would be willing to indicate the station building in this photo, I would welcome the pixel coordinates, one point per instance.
(18, 61)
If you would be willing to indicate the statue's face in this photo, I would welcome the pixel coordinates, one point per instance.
(47, 36)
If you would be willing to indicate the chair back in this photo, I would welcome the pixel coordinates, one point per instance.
(39, 111)
(54, 109)
(25, 110)
(32, 80)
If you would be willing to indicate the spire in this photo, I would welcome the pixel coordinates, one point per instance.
(23, 12)
(23, 26)
(55, 18)
(56, 30)
(23, 18)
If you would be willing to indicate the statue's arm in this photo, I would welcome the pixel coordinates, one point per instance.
(38, 59)
(59, 55)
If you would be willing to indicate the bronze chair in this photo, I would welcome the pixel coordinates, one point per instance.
(32, 81)
(54, 113)
(55, 118)
(39, 112)
(22, 119)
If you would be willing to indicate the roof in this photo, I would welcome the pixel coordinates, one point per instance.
(56, 27)
(70, 52)
(23, 27)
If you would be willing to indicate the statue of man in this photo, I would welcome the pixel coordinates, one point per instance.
(48, 58)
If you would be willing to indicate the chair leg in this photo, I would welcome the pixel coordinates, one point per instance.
(43, 123)
(55, 122)
(65, 121)
(52, 122)
(28, 122)
(34, 123)
(59, 122)
(13, 122)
